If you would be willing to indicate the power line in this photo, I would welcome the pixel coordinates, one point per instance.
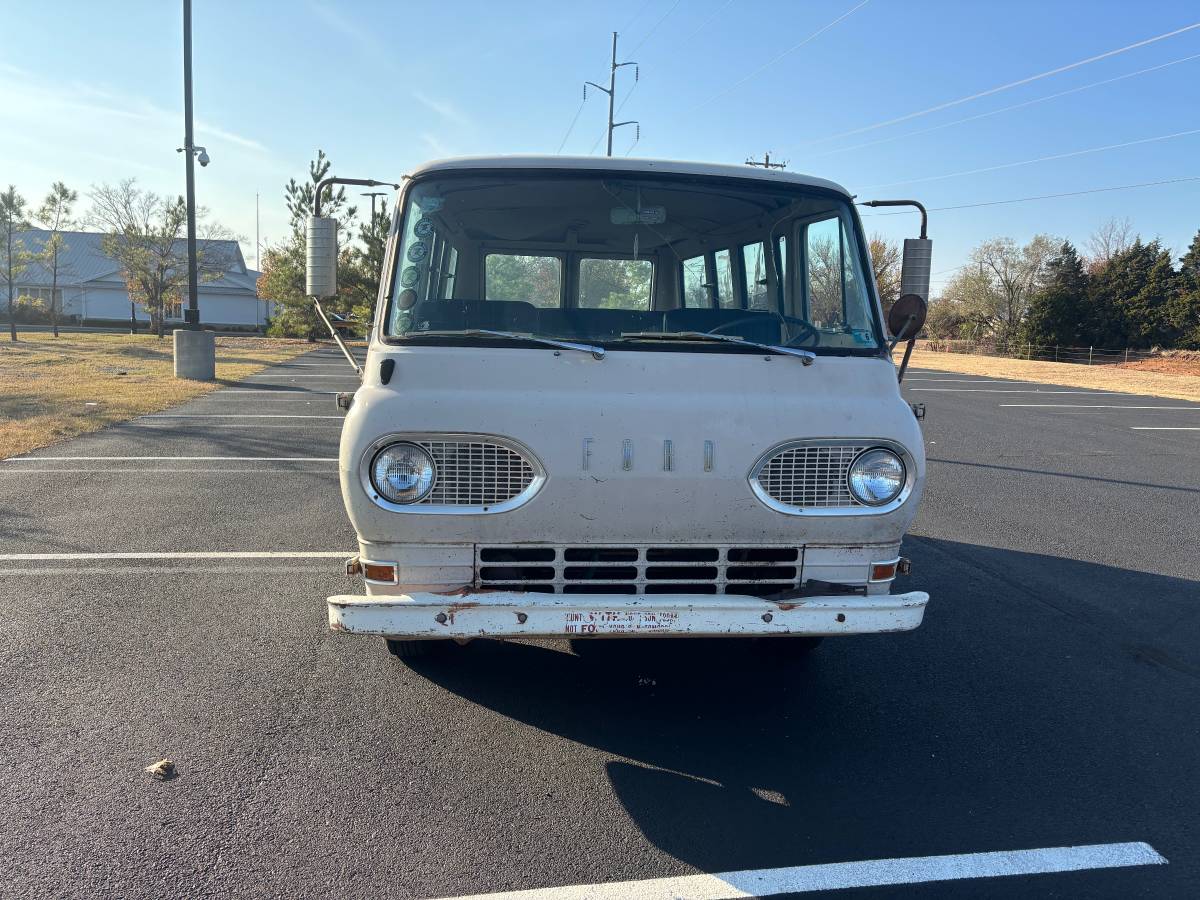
(1004, 109)
(816, 34)
(571, 128)
(654, 27)
(1026, 162)
(1119, 187)
(637, 15)
(707, 19)
(1005, 87)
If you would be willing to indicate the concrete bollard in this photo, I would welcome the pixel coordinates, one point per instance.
(195, 355)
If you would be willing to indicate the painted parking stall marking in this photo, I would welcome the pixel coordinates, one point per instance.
(840, 876)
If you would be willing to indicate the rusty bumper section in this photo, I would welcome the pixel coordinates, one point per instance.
(505, 614)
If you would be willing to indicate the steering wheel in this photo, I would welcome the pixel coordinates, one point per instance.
(806, 330)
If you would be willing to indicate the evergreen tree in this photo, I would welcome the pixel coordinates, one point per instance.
(1183, 311)
(1056, 312)
(1116, 307)
(283, 264)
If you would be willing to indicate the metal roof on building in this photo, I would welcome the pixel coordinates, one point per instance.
(82, 259)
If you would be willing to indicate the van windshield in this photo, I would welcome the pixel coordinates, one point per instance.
(614, 259)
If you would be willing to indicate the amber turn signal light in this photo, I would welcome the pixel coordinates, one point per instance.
(380, 572)
(884, 571)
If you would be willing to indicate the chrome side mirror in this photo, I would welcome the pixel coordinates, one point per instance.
(320, 269)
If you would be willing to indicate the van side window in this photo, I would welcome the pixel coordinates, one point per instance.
(826, 288)
(754, 265)
(838, 299)
(726, 298)
(615, 283)
(695, 284)
(531, 279)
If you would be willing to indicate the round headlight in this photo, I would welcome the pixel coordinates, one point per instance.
(876, 477)
(403, 473)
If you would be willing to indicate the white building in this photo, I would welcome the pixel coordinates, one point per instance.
(91, 287)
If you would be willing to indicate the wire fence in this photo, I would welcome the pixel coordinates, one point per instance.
(1089, 356)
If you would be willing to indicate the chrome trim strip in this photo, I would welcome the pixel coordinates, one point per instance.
(415, 437)
(627, 454)
(709, 455)
(910, 477)
(668, 456)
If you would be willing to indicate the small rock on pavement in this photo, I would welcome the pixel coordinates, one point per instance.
(163, 770)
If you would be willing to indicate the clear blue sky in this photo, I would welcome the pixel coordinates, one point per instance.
(91, 92)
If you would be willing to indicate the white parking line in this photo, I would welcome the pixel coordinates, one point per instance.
(211, 397)
(1012, 391)
(1093, 406)
(323, 459)
(979, 380)
(110, 471)
(839, 876)
(232, 416)
(347, 377)
(165, 425)
(275, 390)
(217, 554)
(1164, 428)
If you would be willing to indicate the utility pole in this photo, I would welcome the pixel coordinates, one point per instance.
(766, 162)
(611, 90)
(257, 241)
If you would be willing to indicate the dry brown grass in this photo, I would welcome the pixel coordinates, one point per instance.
(52, 388)
(1104, 378)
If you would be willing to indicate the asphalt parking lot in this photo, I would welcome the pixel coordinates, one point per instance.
(164, 585)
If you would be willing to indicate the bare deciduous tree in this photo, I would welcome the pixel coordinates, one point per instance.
(885, 263)
(994, 289)
(145, 233)
(1112, 237)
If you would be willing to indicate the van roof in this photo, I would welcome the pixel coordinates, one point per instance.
(610, 164)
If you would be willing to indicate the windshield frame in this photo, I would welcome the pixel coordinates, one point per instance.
(849, 214)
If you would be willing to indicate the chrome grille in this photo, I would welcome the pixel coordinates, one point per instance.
(810, 476)
(633, 569)
(475, 473)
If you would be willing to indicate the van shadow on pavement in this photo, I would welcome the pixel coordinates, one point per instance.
(1015, 717)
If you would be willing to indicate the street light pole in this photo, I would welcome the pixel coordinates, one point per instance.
(192, 314)
(195, 349)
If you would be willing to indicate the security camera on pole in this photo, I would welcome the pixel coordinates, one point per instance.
(195, 350)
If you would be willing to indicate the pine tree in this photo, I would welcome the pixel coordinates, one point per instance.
(1056, 312)
(1183, 310)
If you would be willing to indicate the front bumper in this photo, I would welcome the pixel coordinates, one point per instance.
(509, 614)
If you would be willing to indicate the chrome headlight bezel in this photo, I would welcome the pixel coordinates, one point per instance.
(427, 506)
(425, 482)
(887, 452)
(854, 509)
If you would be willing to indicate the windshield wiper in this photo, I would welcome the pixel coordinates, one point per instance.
(806, 356)
(597, 352)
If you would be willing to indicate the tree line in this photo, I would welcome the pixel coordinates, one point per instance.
(1120, 292)
(143, 231)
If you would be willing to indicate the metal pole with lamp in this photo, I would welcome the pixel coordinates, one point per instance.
(195, 350)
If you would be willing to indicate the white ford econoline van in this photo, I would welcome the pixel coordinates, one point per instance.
(626, 397)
